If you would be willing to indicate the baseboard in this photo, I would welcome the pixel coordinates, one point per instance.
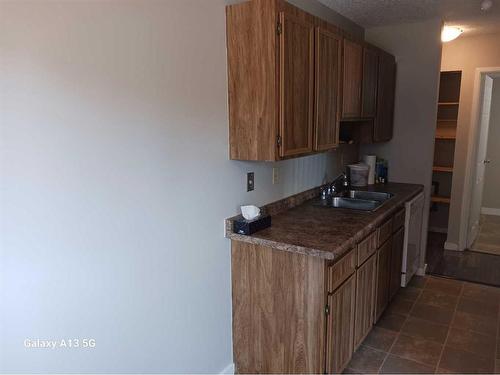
(490, 211)
(450, 246)
(229, 369)
(438, 230)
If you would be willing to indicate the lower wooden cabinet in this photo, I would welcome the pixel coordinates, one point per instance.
(340, 326)
(365, 298)
(295, 313)
(383, 277)
(396, 261)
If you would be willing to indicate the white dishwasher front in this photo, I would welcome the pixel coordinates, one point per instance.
(413, 238)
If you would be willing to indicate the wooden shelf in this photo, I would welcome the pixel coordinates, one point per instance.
(446, 132)
(437, 168)
(438, 199)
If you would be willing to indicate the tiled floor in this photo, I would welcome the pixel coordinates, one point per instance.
(435, 325)
(463, 265)
(488, 239)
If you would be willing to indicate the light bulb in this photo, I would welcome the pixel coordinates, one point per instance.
(450, 32)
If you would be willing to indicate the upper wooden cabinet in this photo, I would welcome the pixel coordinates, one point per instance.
(328, 79)
(284, 81)
(292, 77)
(296, 77)
(369, 85)
(352, 79)
(383, 125)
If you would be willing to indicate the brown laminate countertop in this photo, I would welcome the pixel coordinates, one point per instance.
(327, 232)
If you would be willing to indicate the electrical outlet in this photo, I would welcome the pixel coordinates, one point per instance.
(250, 181)
(276, 175)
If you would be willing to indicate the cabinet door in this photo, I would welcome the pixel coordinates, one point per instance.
(383, 126)
(340, 326)
(296, 85)
(369, 91)
(396, 261)
(328, 67)
(383, 277)
(351, 82)
(365, 299)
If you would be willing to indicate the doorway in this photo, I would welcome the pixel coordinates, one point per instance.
(483, 233)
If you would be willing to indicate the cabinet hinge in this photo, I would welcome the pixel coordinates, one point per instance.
(279, 28)
(278, 140)
(327, 310)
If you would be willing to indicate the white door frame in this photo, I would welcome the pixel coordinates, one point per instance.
(475, 121)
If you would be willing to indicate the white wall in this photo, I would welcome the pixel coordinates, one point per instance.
(114, 184)
(417, 48)
(465, 54)
(491, 198)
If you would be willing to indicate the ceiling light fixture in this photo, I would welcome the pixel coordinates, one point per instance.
(486, 5)
(450, 32)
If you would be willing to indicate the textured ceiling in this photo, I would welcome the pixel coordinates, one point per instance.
(464, 13)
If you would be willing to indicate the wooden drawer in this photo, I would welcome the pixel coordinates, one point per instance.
(341, 270)
(398, 220)
(384, 232)
(367, 247)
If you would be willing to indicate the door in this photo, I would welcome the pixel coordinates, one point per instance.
(481, 162)
(351, 81)
(383, 125)
(340, 326)
(383, 277)
(369, 87)
(365, 299)
(328, 67)
(296, 85)
(396, 261)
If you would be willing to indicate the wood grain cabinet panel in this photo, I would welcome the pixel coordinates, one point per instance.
(341, 270)
(340, 326)
(384, 232)
(396, 261)
(383, 278)
(367, 247)
(327, 82)
(278, 310)
(296, 85)
(365, 299)
(351, 81)
(383, 125)
(369, 86)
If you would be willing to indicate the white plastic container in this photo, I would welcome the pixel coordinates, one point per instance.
(359, 174)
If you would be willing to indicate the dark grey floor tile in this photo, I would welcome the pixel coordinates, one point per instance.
(480, 308)
(460, 361)
(438, 298)
(417, 349)
(473, 342)
(398, 365)
(409, 293)
(418, 282)
(400, 306)
(481, 324)
(432, 313)
(366, 360)
(447, 286)
(481, 292)
(391, 321)
(425, 329)
(380, 338)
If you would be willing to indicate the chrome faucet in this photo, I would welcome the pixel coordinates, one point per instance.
(338, 186)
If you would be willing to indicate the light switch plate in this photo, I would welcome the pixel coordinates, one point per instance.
(276, 175)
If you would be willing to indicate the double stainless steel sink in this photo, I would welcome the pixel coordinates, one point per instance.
(356, 200)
